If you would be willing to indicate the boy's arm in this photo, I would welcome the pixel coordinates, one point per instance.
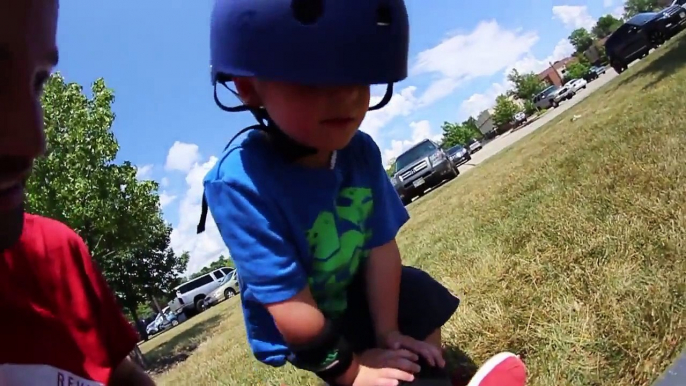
(383, 288)
(256, 233)
(384, 264)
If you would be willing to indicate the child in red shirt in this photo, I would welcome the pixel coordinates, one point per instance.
(61, 324)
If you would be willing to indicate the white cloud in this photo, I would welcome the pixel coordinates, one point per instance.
(488, 49)
(574, 16)
(479, 102)
(207, 246)
(166, 199)
(420, 130)
(164, 182)
(144, 172)
(402, 104)
(608, 3)
(182, 156)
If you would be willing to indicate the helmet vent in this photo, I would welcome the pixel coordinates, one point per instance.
(307, 12)
(383, 15)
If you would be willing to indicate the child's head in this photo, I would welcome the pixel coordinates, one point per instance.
(310, 63)
(27, 54)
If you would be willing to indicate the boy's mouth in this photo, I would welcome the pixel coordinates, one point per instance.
(337, 122)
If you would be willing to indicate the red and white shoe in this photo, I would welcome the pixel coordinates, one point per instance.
(504, 369)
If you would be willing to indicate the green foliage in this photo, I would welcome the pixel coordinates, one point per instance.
(577, 70)
(459, 134)
(504, 111)
(219, 263)
(526, 86)
(605, 26)
(79, 183)
(633, 7)
(581, 39)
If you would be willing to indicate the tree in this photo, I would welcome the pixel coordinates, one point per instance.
(581, 39)
(459, 134)
(79, 183)
(605, 26)
(577, 70)
(526, 86)
(633, 7)
(505, 110)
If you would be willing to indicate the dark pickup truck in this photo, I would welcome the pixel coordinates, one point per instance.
(423, 166)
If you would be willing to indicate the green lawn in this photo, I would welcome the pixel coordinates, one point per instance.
(568, 248)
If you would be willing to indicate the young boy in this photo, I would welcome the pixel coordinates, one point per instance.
(60, 324)
(304, 204)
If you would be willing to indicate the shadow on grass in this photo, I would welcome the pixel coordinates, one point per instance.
(179, 348)
(462, 365)
(669, 63)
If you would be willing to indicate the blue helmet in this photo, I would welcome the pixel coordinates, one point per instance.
(318, 42)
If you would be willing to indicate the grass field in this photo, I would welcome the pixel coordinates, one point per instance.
(568, 248)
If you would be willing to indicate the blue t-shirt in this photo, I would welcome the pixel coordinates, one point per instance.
(288, 226)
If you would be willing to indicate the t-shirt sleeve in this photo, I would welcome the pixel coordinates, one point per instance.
(255, 231)
(118, 337)
(388, 213)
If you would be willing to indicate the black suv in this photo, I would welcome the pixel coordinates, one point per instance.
(423, 166)
(635, 38)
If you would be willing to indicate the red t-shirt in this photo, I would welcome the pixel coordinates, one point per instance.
(60, 323)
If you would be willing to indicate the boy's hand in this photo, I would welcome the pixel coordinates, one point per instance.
(433, 355)
(400, 359)
(368, 376)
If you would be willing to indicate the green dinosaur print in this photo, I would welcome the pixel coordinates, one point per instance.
(336, 256)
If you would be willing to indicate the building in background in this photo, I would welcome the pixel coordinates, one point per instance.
(554, 74)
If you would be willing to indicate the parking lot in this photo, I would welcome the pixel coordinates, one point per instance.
(507, 139)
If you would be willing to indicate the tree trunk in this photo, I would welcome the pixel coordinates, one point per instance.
(141, 329)
(156, 304)
(137, 357)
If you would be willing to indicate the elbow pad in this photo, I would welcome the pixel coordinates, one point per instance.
(329, 355)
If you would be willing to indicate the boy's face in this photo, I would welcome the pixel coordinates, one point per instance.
(325, 118)
(27, 55)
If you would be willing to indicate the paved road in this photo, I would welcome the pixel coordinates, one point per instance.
(508, 139)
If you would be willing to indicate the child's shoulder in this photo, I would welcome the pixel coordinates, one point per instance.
(242, 161)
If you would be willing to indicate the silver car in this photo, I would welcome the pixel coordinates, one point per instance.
(228, 288)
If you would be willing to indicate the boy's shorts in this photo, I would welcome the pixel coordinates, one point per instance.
(424, 306)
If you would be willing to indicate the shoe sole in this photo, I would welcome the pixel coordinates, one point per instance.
(489, 366)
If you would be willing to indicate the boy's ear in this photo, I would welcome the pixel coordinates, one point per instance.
(245, 87)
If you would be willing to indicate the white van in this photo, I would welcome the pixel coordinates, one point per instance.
(190, 296)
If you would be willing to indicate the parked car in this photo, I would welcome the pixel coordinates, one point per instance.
(673, 20)
(458, 155)
(520, 118)
(564, 93)
(577, 85)
(423, 166)
(190, 296)
(473, 145)
(228, 288)
(545, 99)
(594, 72)
(163, 321)
(634, 39)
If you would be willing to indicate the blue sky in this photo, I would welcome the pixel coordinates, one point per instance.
(155, 55)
